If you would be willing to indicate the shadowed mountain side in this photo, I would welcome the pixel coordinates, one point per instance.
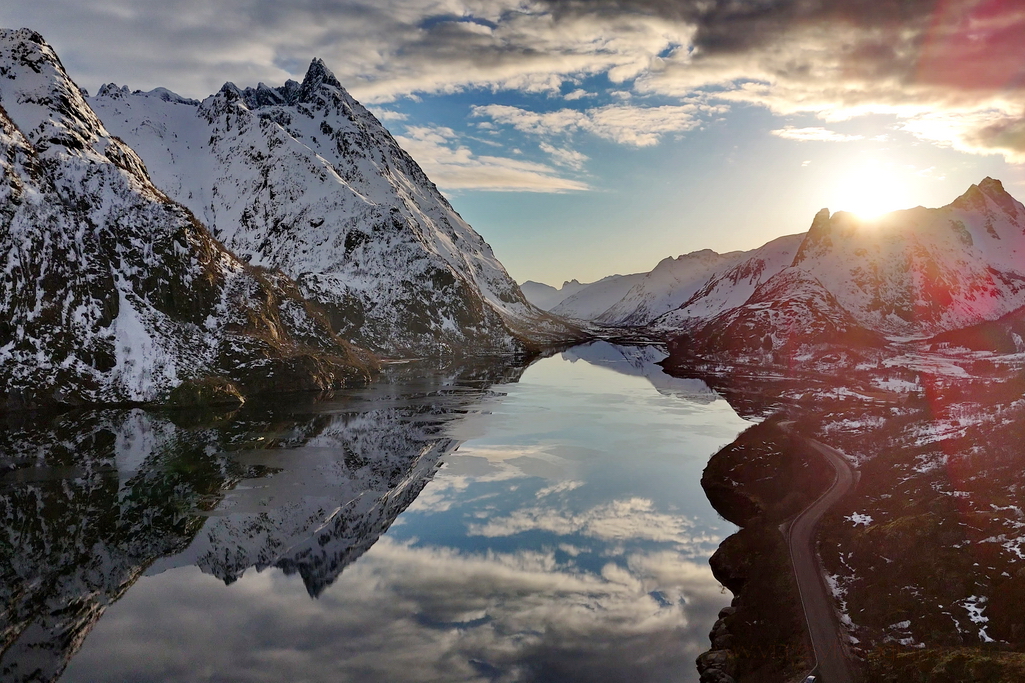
(1003, 335)
(788, 315)
(92, 501)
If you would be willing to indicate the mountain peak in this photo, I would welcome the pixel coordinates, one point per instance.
(231, 91)
(43, 102)
(974, 198)
(702, 254)
(317, 75)
(114, 92)
(817, 236)
(992, 186)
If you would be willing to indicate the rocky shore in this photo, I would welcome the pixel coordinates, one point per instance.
(759, 481)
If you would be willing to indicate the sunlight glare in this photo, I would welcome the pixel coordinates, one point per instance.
(870, 190)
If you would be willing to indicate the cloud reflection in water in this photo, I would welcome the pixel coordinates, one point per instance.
(566, 540)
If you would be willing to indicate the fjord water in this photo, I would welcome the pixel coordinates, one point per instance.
(480, 523)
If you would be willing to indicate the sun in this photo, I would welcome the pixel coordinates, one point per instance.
(871, 189)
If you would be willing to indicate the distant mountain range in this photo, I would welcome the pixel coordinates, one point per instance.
(908, 274)
(547, 297)
(159, 248)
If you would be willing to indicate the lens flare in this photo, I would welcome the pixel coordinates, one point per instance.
(870, 190)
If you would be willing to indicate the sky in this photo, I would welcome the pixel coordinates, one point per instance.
(583, 138)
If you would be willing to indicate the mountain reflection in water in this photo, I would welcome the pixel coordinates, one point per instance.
(564, 537)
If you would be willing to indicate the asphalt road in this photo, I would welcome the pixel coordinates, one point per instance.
(831, 654)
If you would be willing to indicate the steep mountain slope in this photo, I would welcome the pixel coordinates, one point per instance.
(790, 312)
(731, 285)
(922, 271)
(305, 179)
(112, 292)
(547, 297)
(596, 298)
(669, 284)
(679, 290)
(1006, 334)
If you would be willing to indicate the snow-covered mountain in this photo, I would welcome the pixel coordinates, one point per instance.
(732, 284)
(670, 284)
(596, 298)
(304, 179)
(851, 282)
(788, 313)
(696, 285)
(547, 297)
(112, 292)
(923, 271)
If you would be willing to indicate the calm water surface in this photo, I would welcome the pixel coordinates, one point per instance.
(473, 524)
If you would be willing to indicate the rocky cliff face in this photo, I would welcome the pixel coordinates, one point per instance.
(112, 292)
(303, 178)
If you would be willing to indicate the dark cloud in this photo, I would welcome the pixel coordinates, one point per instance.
(737, 25)
(1007, 136)
(961, 44)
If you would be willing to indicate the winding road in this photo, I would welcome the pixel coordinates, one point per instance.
(831, 655)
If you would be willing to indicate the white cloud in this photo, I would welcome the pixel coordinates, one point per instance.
(565, 157)
(633, 519)
(814, 134)
(629, 125)
(578, 94)
(987, 131)
(560, 487)
(409, 613)
(944, 72)
(455, 167)
(386, 115)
